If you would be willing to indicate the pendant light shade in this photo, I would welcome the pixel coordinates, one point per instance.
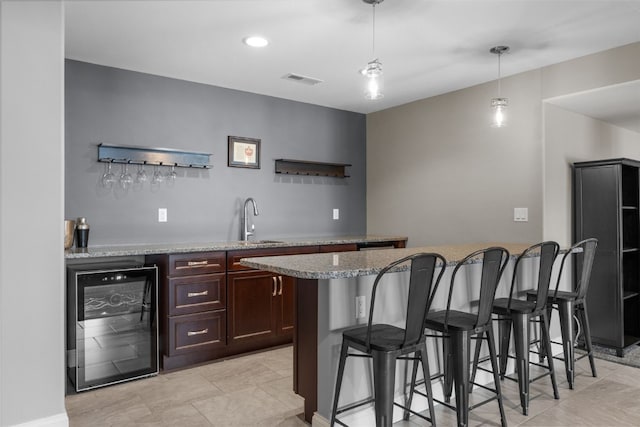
(499, 105)
(375, 81)
(374, 84)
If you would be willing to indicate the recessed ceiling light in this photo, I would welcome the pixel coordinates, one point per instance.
(255, 41)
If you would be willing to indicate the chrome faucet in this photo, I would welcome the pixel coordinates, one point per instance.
(244, 221)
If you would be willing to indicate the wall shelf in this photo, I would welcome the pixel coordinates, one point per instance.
(304, 167)
(152, 156)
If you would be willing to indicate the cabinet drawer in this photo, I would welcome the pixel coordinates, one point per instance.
(234, 257)
(196, 263)
(197, 293)
(197, 332)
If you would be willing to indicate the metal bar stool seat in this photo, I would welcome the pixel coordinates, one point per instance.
(457, 329)
(385, 343)
(569, 302)
(516, 313)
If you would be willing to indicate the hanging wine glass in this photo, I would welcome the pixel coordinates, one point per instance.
(141, 175)
(157, 175)
(108, 178)
(171, 176)
(125, 177)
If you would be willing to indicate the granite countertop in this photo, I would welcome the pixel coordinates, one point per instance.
(172, 248)
(362, 263)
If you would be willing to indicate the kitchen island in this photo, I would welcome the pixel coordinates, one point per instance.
(326, 289)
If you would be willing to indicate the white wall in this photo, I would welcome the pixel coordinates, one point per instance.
(31, 217)
(438, 173)
(571, 137)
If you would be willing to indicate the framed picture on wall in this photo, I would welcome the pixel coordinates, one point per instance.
(244, 152)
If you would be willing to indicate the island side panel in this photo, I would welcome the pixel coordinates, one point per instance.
(305, 339)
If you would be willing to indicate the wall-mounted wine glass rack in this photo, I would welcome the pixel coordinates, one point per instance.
(152, 156)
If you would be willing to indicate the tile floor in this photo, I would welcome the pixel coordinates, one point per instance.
(255, 390)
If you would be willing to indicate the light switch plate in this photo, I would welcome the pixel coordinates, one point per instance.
(521, 214)
(336, 214)
(162, 214)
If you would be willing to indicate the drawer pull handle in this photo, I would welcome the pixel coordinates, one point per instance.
(275, 286)
(197, 294)
(200, 332)
(280, 280)
(196, 263)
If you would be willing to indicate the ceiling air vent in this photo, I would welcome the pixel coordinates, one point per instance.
(310, 81)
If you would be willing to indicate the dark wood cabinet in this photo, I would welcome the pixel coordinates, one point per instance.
(193, 302)
(255, 301)
(607, 195)
(260, 303)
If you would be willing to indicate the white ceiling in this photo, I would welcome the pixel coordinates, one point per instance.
(427, 47)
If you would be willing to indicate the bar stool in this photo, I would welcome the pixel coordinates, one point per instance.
(458, 327)
(569, 302)
(518, 313)
(386, 343)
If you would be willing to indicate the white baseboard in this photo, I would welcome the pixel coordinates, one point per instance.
(319, 421)
(58, 420)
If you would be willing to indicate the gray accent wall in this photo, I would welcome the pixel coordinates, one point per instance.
(115, 106)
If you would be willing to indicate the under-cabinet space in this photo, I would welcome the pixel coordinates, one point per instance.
(631, 273)
(629, 186)
(630, 229)
(631, 321)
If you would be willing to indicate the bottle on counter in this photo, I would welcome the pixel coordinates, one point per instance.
(82, 233)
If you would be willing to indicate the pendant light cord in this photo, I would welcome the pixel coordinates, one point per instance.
(499, 73)
(373, 37)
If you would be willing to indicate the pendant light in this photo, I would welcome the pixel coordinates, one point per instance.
(499, 104)
(373, 70)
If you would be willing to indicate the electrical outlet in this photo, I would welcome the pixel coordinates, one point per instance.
(521, 214)
(162, 214)
(361, 307)
(336, 214)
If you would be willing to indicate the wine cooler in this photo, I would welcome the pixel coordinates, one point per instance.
(112, 326)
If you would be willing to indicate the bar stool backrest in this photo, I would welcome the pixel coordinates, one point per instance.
(494, 260)
(422, 286)
(548, 253)
(582, 267)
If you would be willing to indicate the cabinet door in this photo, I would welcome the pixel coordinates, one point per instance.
(251, 301)
(285, 309)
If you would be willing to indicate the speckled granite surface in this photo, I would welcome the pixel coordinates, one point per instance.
(362, 263)
(172, 248)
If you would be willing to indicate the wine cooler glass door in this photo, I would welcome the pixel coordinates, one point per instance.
(115, 327)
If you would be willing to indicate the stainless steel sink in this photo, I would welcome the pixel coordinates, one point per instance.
(258, 242)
